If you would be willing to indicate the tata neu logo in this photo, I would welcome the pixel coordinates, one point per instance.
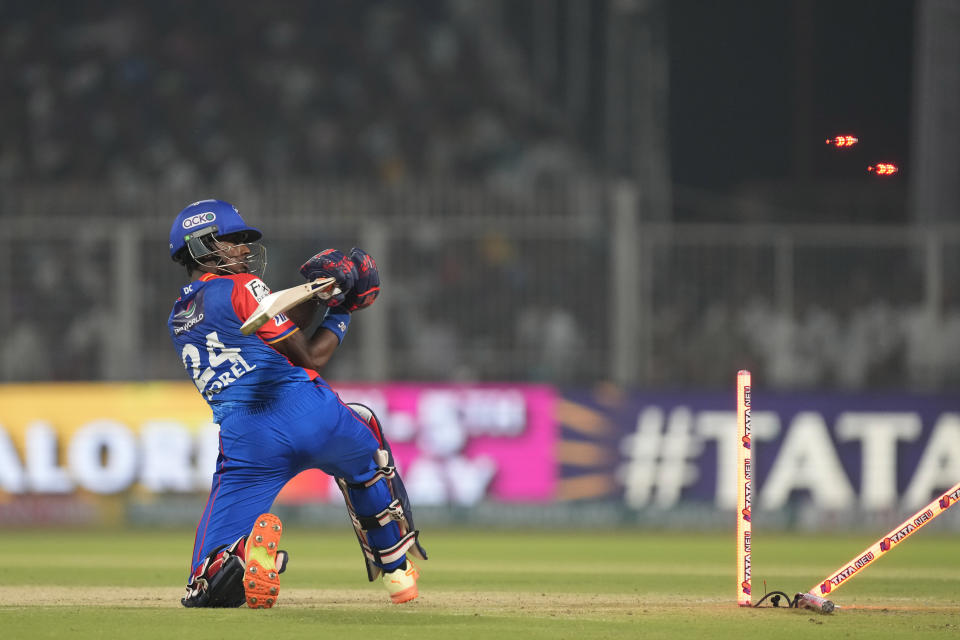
(198, 219)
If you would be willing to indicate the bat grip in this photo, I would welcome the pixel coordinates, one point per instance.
(324, 290)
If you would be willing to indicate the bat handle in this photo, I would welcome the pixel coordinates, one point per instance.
(325, 288)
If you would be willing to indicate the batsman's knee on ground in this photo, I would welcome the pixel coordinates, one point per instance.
(245, 571)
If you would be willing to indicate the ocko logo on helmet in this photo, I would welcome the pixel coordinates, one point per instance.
(198, 219)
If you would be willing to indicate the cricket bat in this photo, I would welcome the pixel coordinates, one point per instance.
(286, 299)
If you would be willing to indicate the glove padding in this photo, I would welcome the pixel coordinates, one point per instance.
(331, 263)
(367, 284)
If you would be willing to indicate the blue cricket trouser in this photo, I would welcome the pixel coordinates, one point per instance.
(262, 449)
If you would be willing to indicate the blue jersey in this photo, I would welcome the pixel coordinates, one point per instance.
(232, 371)
(276, 419)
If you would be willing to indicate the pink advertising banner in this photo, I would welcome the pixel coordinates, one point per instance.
(458, 444)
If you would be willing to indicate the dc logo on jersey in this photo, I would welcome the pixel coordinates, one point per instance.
(198, 219)
(187, 314)
(258, 289)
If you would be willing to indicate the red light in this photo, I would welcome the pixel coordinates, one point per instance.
(843, 140)
(883, 168)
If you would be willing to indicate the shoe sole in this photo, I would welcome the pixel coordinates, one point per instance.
(410, 592)
(261, 582)
(406, 595)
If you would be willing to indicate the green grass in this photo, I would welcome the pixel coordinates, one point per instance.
(479, 584)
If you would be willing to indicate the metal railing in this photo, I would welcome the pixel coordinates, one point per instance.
(567, 285)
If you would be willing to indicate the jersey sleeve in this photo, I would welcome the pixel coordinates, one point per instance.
(248, 291)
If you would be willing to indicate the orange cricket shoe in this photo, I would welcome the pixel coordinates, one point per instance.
(261, 577)
(401, 583)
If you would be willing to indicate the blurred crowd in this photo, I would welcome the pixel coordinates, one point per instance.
(181, 93)
(498, 307)
(855, 319)
(879, 346)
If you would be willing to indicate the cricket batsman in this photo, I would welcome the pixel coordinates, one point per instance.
(277, 416)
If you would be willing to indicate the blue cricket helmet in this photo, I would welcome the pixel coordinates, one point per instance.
(208, 217)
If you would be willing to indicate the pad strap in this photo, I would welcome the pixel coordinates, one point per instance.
(391, 554)
(394, 511)
(383, 473)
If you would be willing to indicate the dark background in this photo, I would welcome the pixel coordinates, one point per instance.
(756, 87)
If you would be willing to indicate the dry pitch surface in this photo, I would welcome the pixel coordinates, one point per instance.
(586, 584)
